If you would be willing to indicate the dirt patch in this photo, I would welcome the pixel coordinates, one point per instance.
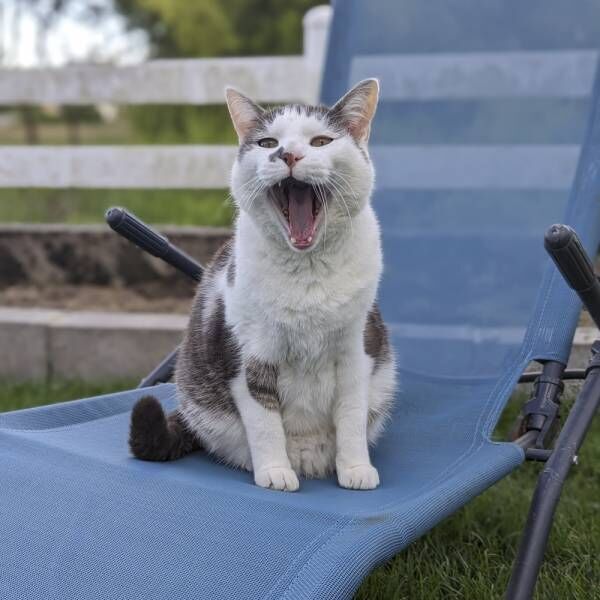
(93, 297)
(87, 255)
(91, 268)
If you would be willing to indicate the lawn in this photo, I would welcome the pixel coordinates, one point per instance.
(469, 555)
(175, 207)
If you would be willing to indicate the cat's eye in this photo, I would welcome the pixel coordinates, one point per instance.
(321, 140)
(268, 143)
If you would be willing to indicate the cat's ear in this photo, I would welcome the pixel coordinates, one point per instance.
(356, 109)
(244, 112)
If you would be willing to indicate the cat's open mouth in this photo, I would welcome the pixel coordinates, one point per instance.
(299, 208)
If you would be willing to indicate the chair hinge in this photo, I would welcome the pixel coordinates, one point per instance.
(541, 412)
(594, 361)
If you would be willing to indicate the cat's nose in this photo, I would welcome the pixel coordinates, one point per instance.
(290, 158)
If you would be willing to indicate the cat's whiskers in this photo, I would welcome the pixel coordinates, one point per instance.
(251, 181)
(322, 196)
(344, 181)
(339, 194)
(256, 190)
(346, 176)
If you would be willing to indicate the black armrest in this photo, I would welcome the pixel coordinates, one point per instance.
(143, 236)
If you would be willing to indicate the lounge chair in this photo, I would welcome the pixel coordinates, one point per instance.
(488, 132)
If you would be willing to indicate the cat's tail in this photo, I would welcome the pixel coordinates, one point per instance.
(157, 436)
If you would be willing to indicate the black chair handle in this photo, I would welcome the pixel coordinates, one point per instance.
(567, 252)
(145, 237)
(565, 248)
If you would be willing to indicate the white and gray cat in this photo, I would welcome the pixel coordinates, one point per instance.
(285, 368)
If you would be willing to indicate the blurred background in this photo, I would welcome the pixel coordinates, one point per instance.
(120, 102)
(55, 33)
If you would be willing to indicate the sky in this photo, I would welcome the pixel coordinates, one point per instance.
(70, 40)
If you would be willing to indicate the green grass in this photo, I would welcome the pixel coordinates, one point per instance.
(176, 207)
(55, 133)
(14, 396)
(468, 556)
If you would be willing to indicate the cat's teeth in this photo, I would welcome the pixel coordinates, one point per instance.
(309, 239)
(293, 240)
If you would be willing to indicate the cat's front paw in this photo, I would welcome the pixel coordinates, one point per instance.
(277, 478)
(358, 477)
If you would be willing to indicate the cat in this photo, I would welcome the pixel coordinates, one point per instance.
(286, 368)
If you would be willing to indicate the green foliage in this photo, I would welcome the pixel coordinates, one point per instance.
(15, 396)
(218, 27)
(80, 114)
(203, 28)
(268, 26)
(200, 28)
(175, 207)
(187, 124)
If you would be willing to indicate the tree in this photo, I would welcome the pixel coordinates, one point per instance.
(203, 28)
(180, 28)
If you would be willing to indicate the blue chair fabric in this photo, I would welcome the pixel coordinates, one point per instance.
(488, 131)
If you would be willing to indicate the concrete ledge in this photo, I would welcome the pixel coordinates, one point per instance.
(42, 344)
(45, 344)
(582, 342)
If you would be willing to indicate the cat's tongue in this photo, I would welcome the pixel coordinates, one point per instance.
(301, 218)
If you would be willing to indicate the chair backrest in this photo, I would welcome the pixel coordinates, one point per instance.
(485, 135)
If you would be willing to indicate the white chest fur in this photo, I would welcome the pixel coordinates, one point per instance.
(292, 307)
(296, 311)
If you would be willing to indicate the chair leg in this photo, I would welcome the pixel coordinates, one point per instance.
(549, 488)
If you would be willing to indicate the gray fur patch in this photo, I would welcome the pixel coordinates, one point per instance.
(245, 146)
(210, 355)
(222, 256)
(376, 342)
(231, 270)
(261, 378)
(362, 151)
(267, 117)
(277, 154)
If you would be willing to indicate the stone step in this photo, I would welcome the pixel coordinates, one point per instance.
(45, 344)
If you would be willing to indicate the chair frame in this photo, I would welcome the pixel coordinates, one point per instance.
(538, 424)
